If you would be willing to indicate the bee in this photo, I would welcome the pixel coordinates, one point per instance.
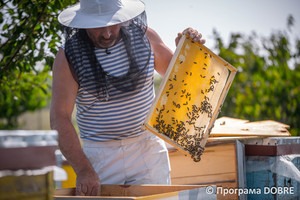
(174, 78)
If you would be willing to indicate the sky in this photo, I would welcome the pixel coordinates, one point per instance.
(168, 17)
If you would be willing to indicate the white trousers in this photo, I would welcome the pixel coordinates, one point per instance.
(134, 161)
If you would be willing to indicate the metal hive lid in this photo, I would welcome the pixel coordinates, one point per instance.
(26, 138)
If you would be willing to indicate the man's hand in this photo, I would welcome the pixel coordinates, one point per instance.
(197, 37)
(87, 184)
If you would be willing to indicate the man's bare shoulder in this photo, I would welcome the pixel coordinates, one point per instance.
(154, 38)
(162, 53)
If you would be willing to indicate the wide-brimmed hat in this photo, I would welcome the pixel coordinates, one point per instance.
(100, 13)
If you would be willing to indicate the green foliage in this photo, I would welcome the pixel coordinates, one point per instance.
(30, 35)
(267, 86)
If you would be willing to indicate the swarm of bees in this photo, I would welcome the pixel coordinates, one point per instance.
(178, 131)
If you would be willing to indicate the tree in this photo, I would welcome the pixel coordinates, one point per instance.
(29, 39)
(267, 85)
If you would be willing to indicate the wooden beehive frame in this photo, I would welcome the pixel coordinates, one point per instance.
(205, 63)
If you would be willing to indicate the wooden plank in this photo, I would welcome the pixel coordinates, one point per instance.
(250, 131)
(65, 192)
(234, 127)
(131, 190)
(143, 190)
(93, 198)
(230, 120)
(210, 179)
(228, 139)
(273, 123)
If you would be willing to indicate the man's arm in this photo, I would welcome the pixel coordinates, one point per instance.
(64, 91)
(162, 54)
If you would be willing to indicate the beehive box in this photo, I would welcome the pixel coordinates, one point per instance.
(26, 166)
(273, 167)
(218, 167)
(190, 97)
(143, 192)
(22, 149)
(27, 186)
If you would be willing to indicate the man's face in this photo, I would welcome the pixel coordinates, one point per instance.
(105, 37)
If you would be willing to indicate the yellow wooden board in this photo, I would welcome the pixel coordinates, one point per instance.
(189, 98)
(137, 192)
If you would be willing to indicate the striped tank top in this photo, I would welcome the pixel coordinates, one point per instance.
(123, 115)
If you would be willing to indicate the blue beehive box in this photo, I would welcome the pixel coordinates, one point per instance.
(273, 168)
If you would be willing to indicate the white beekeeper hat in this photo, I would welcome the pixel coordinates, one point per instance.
(100, 13)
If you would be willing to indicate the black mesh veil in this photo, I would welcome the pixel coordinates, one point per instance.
(78, 47)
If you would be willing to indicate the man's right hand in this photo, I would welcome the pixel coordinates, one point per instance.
(88, 184)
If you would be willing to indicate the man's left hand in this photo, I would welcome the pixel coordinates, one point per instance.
(194, 34)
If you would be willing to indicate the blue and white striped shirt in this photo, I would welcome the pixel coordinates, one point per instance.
(119, 117)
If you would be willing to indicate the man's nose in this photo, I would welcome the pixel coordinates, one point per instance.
(106, 33)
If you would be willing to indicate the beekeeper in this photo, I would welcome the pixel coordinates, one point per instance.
(106, 66)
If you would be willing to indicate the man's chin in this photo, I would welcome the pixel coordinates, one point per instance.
(105, 45)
